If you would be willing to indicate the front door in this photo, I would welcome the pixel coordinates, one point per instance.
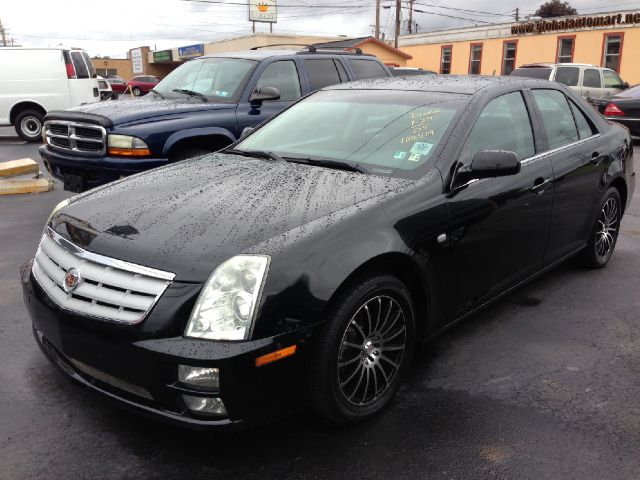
(592, 83)
(499, 226)
(281, 74)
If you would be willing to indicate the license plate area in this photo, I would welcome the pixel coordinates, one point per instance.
(73, 183)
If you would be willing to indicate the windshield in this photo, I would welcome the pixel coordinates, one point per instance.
(220, 79)
(388, 132)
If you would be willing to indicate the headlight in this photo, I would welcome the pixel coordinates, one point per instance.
(126, 145)
(56, 209)
(226, 307)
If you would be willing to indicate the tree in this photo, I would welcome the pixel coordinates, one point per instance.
(555, 8)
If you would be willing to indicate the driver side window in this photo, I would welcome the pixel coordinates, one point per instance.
(284, 76)
(503, 125)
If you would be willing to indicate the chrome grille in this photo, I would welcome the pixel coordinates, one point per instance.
(108, 288)
(75, 137)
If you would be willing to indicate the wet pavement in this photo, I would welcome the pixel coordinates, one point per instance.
(544, 384)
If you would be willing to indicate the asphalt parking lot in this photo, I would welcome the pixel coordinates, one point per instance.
(544, 384)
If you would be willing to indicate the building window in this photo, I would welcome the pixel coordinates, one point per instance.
(565, 49)
(612, 50)
(104, 72)
(446, 52)
(475, 58)
(509, 50)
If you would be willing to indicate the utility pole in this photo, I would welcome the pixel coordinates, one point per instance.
(377, 32)
(411, 16)
(3, 33)
(517, 14)
(398, 12)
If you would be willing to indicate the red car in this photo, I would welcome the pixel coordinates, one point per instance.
(142, 84)
(118, 85)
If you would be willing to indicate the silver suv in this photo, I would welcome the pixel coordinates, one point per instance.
(587, 80)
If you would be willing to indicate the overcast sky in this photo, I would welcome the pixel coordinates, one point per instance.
(113, 27)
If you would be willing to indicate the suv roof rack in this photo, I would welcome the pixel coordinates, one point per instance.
(312, 49)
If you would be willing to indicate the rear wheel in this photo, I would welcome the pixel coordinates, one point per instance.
(604, 234)
(363, 350)
(136, 91)
(28, 125)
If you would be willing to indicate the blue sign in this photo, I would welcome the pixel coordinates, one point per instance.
(191, 51)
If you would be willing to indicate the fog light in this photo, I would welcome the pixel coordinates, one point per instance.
(202, 377)
(205, 405)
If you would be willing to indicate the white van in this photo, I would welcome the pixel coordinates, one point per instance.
(34, 81)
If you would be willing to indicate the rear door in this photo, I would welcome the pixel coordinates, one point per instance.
(569, 76)
(577, 155)
(322, 72)
(367, 68)
(281, 74)
(83, 88)
(499, 226)
(592, 83)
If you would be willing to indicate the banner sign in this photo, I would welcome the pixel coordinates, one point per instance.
(572, 23)
(191, 51)
(136, 61)
(163, 56)
(263, 11)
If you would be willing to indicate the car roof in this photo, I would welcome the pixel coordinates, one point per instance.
(262, 54)
(463, 84)
(551, 65)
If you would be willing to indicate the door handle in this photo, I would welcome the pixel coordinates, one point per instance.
(595, 158)
(540, 185)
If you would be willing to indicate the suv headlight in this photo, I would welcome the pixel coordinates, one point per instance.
(127, 145)
(226, 307)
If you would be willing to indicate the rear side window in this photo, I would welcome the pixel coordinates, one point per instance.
(367, 69)
(284, 76)
(585, 130)
(556, 117)
(81, 67)
(592, 78)
(503, 125)
(322, 72)
(92, 69)
(542, 73)
(568, 76)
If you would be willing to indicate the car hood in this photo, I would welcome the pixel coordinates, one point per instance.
(126, 111)
(189, 217)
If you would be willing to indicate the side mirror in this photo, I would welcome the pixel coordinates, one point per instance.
(489, 164)
(247, 131)
(264, 93)
(625, 85)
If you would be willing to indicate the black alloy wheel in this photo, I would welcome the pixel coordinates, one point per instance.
(137, 91)
(363, 350)
(604, 234)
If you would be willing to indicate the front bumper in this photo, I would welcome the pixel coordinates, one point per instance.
(141, 374)
(95, 171)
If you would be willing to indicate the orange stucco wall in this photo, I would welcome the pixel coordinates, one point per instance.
(387, 56)
(534, 48)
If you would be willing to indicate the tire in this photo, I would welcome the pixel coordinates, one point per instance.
(28, 125)
(188, 153)
(136, 91)
(604, 234)
(352, 377)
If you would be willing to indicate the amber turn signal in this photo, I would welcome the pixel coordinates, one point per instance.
(129, 152)
(277, 355)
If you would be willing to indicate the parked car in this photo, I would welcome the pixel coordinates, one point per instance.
(34, 81)
(303, 264)
(106, 92)
(142, 84)
(586, 80)
(623, 108)
(118, 85)
(200, 107)
(404, 71)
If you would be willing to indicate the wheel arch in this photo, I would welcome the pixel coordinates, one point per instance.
(22, 106)
(403, 267)
(619, 184)
(199, 137)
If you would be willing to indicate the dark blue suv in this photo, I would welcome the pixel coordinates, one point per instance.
(202, 106)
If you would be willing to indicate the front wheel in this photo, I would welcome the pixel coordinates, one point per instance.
(363, 350)
(604, 234)
(136, 91)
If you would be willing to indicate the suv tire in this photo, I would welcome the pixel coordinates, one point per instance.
(28, 125)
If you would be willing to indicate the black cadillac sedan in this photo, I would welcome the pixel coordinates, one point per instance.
(623, 108)
(305, 263)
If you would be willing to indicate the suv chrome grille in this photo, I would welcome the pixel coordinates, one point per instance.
(75, 137)
(106, 288)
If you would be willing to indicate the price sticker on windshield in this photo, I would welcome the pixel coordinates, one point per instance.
(422, 148)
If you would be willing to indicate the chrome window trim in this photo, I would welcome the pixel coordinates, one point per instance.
(73, 138)
(627, 119)
(108, 261)
(558, 149)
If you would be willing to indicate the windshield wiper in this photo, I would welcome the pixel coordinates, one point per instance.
(254, 154)
(191, 93)
(325, 162)
(153, 90)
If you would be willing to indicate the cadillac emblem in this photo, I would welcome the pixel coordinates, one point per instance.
(71, 280)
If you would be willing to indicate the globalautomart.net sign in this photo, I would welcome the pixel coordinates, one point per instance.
(263, 11)
(542, 26)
